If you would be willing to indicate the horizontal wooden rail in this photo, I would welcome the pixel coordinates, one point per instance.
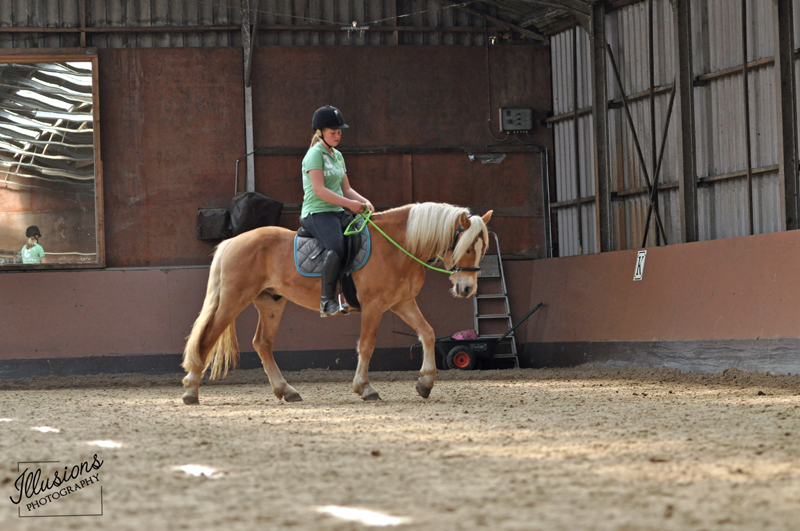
(572, 202)
(498, 211)
(612, 104)
(237, 28)
(702, 181)
(405, 150)
(736, 174)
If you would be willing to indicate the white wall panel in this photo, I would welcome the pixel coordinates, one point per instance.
(628, 28)
(564, 134)
(719, 117)
(720, 120)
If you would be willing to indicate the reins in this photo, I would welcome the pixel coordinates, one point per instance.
(368, 213)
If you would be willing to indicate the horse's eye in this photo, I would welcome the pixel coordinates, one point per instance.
(469, 251)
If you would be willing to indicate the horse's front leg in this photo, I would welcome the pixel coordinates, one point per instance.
(370, 319)
(409, 312)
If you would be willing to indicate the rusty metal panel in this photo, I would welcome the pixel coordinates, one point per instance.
(171, 135)
(446, 177)
(371, 175)
(395, 96)
(169, 142)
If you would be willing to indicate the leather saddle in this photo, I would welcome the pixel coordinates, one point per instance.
(308, 258)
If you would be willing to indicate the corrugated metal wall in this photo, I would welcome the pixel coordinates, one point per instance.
(562, 46)
(628, 33)
(719, 116)
(720, 121)
(226, 15)
(119, 13)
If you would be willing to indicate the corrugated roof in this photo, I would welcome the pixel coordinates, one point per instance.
(125, 24)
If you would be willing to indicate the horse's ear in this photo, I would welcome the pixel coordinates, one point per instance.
(486, 217)
(464, 221)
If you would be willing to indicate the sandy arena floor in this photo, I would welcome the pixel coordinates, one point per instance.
(556, 449)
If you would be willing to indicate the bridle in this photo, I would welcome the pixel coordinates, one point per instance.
(368, 213)
(456, 269)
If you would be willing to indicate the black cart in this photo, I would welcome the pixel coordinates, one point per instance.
(465, 354)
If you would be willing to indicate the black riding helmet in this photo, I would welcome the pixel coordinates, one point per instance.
(329, 117)
(33, 231)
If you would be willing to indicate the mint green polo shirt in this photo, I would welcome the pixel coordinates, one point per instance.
(333, 172)
(33, 255)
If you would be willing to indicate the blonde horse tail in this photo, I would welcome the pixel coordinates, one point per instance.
(226, 353)
(226, 348)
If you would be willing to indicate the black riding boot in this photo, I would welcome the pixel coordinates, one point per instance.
(331, 267)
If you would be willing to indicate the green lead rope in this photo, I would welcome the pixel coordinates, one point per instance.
(365, 216)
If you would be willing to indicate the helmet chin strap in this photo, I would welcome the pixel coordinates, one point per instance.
(322, 139)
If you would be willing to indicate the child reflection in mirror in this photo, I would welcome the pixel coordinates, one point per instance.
(32, 252)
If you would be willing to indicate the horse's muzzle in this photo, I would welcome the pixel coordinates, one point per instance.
(463, 290)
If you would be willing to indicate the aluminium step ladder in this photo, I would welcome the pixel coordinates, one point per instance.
(492, 268)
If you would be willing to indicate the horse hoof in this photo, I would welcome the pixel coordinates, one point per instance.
(371, 397)
(293, 397)
(190, 400)
(423, 391)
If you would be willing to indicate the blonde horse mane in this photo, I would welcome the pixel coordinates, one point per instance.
(430, 230)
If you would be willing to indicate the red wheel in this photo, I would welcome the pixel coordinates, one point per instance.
(461, 357)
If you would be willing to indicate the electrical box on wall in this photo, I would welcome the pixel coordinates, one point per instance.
(515, 119)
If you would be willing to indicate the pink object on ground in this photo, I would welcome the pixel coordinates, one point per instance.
(465, 334)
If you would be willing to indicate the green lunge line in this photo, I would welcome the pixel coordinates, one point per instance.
(365, 216)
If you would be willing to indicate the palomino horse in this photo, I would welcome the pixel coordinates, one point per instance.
(258, 267)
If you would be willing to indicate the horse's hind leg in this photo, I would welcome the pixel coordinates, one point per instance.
(409, 312)
(269, 317)
(370, 319)
(220, 328)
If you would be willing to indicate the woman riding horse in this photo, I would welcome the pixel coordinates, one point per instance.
(256, 267)
(326, 193)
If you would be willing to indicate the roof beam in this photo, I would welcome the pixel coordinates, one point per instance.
(506, 6)
(497, 22)
(572, 5)
(580, 10)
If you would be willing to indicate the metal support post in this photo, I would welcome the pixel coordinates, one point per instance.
(575, 135)
(657, 172)
(688, 179)
(636, 143)
(787, 117)
(746, 95)
(247, 37)
(600, 120)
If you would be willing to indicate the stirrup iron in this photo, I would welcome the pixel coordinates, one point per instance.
(344, 309)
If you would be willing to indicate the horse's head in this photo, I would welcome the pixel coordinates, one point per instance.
(470, 243)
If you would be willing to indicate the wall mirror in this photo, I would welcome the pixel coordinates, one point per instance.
(50, 167)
